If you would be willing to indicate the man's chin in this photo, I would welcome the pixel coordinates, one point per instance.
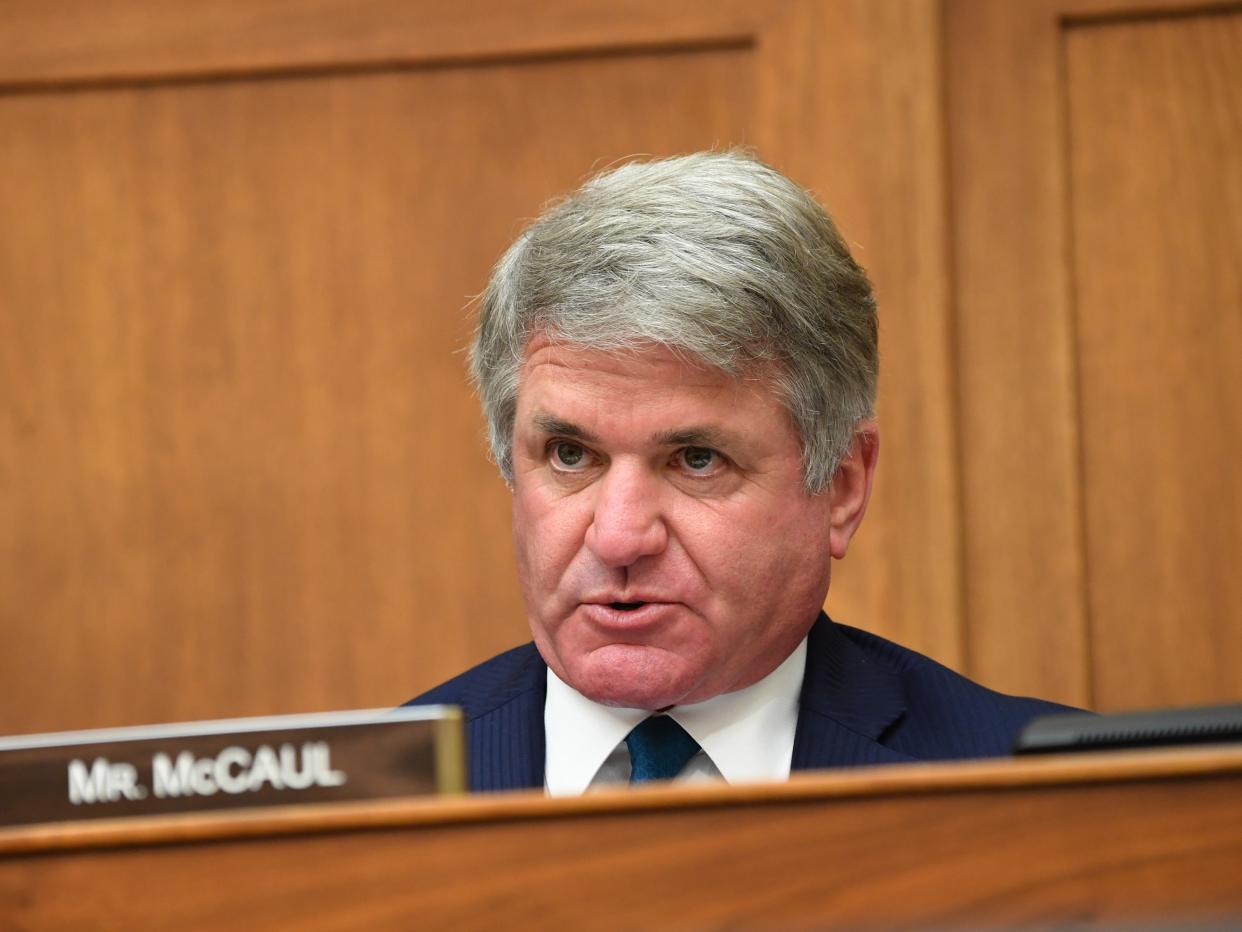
(632, 677)
(652, 702)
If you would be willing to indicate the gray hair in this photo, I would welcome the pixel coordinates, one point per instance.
(714, 255)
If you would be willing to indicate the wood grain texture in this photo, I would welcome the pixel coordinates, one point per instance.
(1083, 11)
(1025, 563)
(59, 41)
(858, 119)
(1156, 160)
(243, 470)
(1151, 841)
(1097, 767)
(74, 41)
(1017, 412)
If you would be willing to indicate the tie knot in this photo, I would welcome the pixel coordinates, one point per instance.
(659, 748)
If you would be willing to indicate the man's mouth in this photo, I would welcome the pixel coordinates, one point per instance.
(623, 615)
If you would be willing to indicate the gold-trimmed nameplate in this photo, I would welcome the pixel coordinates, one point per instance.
(229, 764)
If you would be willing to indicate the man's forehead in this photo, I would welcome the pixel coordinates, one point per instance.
(692, 435)
(646, 365)
(561, 375)
(638, 358)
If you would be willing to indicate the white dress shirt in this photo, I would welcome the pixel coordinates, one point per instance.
(745, 736)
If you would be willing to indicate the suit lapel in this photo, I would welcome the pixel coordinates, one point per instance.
(504, 725)
(848, 703)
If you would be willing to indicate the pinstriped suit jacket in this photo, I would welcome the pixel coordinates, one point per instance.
(864, 700)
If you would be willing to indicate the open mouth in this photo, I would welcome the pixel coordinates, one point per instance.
(627, 606)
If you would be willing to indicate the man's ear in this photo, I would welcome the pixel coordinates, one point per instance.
(850, 489)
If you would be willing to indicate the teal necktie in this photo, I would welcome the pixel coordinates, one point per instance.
(659, 748)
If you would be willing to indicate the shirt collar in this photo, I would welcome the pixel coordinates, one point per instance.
(748, 734)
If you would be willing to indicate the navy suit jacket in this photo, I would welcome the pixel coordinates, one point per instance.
(864, 700)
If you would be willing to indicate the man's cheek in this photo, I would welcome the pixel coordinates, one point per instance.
(546, 549)
(726, 559)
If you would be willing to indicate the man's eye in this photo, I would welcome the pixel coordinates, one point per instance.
(699, 459)
(568, 455)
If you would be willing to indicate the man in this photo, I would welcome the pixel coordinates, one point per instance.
(678, 367)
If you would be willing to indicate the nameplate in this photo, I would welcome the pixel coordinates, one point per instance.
(206, 766)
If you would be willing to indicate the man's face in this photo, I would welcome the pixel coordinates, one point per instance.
(666, 547)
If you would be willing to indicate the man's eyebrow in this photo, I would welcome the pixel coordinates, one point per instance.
(550, 424)
(692, 437)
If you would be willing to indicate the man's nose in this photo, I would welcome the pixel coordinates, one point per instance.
(628, 522)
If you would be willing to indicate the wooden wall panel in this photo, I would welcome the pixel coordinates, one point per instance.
(860, 121)
(241, 469)
(1030, 471)
(247, 474)
(1155, 154)
(1020, 491)
(57, 41)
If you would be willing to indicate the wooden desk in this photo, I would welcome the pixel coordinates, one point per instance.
(1135, 836)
